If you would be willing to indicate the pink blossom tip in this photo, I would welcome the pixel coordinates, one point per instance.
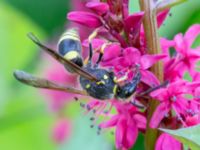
(99, 7)
(84, 18)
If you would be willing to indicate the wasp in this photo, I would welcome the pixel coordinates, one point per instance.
(94, 80)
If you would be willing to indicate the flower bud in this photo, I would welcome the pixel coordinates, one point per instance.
(84, 18)
(99, 7)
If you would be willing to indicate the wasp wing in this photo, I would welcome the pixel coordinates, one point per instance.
(61, 59)
(37, 82)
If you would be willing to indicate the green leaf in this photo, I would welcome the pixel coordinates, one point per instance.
(16, 49)
(189, 136)
(181, 19)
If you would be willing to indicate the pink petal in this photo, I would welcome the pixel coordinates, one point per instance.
(133, 22)
(93, 103)
(61, 130)
(166, 44)
(85, 18)
(193, 85)
(159, 114)
(132, 54)
(131, 136)
(161, 17)
(140, 121)
(58, 98)
(194, 54)
(111, 122)
(184, 67)
(113, 62)
(111, 52)
(149, 78)
(99, 7)
(181, 45)
(120, 131)
(192, 34)
(174, 87)
(167, 142)
(197, 92)
(192, 120)
(160, 94)
(149, 60)
(96, 43)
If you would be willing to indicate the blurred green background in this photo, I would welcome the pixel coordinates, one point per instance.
(25, 119)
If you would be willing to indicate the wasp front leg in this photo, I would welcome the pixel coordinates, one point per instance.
(125, 91)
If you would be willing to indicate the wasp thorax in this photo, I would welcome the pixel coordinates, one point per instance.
(102, 89)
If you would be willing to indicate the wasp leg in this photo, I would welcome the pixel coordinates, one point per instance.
(101, 54)
(99, 59)
(90, 55)
(90, 38)
(128, 89)
(153, 89)
(37, 82)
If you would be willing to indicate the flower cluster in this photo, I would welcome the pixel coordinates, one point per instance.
(123, 37)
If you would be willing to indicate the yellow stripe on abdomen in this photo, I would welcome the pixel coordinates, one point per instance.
(71, 55)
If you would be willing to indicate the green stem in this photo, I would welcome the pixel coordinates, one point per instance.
(166, 4)
(153, 46)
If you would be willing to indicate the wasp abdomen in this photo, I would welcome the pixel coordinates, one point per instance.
(69, 46)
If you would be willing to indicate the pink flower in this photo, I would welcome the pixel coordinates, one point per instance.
(186, 57)
(167, 142)
(129, 58)
(128, 122)
(61, 130)
(171, 97)
(58, 99)
(192, 114)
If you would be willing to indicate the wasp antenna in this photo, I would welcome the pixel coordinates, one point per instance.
(137, 105)
(33, 37)
(162, 85)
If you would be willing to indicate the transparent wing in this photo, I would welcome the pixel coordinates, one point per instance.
(61, 59)
(37, 82)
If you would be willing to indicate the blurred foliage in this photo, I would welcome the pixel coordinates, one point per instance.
(17, 48)
(85, 137)
(25, 121)
(50, 15)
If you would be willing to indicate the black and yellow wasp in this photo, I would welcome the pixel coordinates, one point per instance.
(95, 81)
